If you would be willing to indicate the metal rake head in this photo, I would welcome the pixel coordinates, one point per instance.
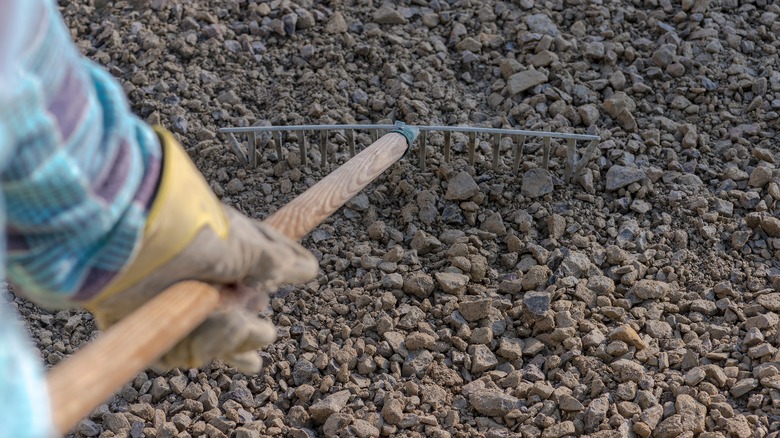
(573, 165)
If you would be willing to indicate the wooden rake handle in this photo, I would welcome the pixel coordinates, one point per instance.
(89, 377)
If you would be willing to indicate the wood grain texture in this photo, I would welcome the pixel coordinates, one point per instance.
(308, 210)
(88, 378)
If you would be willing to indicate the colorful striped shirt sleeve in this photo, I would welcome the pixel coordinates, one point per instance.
(77, 174)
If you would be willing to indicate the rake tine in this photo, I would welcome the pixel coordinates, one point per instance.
(236, 146)
(472, 147)
(323, 150)
(519, 141)
(583, 161)
(302, 147)
(253, 151)
(571, 158)
(496, 147)
(447, 140)
(278, 141)
(423, 137)
(351, 142)
(546, 156)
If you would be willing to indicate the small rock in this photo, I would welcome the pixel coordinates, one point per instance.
(482, 359)
(116, 422)
(622, 176)
(770, 225)
(393, 411)
(510, 348)
(569, 403)
(658, 329)
(601, 285)
(419, 284)
(650, 289)
(693, 413)
(628, 370)
(561, 429)
(760, 176)
(541, 23)
(469, 44)
(417, 363)
(461, 187)
(535, 277)
(492, 403)
(87, 427)
(596, 413)
(451, 282)
(424, 243)
(475, 310)
(159, 389)
(321, 410)
(335, 425)
(359, 202)
(626, 120)
(519, 82)
(494, 224)
(387, 15)
(618, 102)
(770, 301)
(336, 24)
(419, 341)
(364, 429)
(538, 303)
(671, 427)
(628, 335)
(743, 387)
(537, 182)
(739, 427)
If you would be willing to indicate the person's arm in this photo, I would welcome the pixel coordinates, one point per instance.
(24, 405)
(81, 169)
(104, 211)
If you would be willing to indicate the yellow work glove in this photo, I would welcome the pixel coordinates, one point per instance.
(190, 235)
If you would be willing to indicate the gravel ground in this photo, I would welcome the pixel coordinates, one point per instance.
(641, 299)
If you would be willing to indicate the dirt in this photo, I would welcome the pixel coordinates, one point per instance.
(640, 299)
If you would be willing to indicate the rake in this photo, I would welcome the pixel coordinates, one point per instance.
(574, 165)
(138, 340)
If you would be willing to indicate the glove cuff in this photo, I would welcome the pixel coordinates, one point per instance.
(183, 205)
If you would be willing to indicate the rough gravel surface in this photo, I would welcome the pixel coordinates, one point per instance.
(641, 298)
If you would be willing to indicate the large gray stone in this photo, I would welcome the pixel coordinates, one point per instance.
(524, 80)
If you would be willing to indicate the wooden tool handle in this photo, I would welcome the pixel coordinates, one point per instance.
(89, 377)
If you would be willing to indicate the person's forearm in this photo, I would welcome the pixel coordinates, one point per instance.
(81, 169)
(24, 407)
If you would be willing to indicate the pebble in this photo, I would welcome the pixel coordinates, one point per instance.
(419, 284)
(628, 370)
(743, 387)
(622, 176)
(333, 403)
(476, 309)
(679, 191)
(537, 303)
(522, 81)
(537, 183)
(493, 403)
(386, 15)
(461, 187)
(451, 282)
(650, 290)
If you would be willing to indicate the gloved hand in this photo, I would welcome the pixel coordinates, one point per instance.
(190, 235)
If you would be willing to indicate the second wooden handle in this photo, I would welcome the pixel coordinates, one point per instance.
(89, 377)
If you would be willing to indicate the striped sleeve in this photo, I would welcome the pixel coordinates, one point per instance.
(81, 169)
